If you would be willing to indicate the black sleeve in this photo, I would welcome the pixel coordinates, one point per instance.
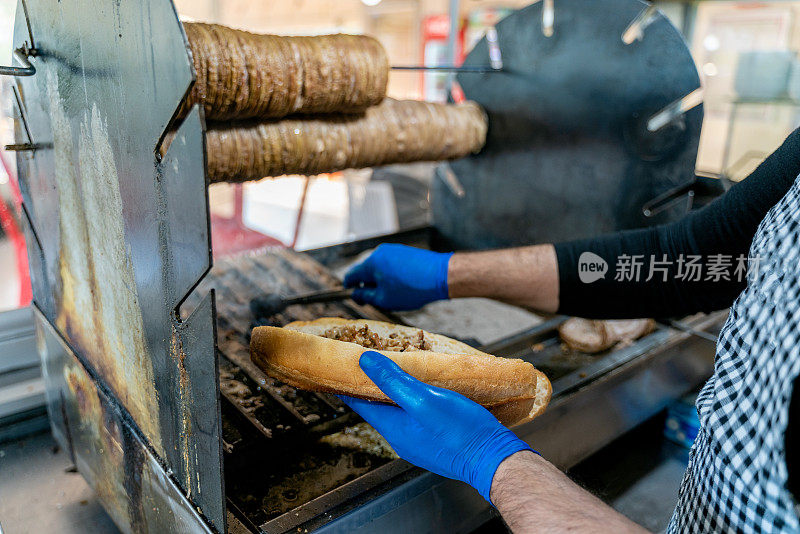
(725, 227)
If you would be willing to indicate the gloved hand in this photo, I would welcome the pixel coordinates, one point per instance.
(397, 277)
(434, 428)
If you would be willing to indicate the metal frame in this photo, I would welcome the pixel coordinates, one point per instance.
(117, 238)
(107, 447)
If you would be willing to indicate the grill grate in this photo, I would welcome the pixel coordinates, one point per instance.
(274, 460)
(278, 471)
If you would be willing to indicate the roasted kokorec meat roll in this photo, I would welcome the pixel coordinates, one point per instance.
(396, 131)
(244, 75)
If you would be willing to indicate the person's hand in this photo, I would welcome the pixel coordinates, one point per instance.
(434, 428)
(397, 277)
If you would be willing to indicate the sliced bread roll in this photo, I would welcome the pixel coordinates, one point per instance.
(322, 355)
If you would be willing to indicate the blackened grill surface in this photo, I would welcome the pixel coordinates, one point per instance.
(274, 460)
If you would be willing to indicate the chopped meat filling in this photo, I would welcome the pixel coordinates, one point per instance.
(362, 335)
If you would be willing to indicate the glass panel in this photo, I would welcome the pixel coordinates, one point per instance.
(747, 57)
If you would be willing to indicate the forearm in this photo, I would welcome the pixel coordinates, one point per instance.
(644, 277)
(526, 276)
(533, 496)
(546, 277)
(723, 229)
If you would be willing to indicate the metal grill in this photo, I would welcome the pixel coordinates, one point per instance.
(274, 459)
(279, 474)
(100, 208)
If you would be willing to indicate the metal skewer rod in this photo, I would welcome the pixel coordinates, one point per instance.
(495, 54)
(27, 69)
(23, 53)
(30, 145)
(683, 327)
(452, 181)
(273, 304)
(675, 110)
(548, 17)
(321, 296)
(446, 68)
(635, 30)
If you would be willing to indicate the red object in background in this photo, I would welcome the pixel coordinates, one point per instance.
(10, 227)
(457, 93)
(435, 30)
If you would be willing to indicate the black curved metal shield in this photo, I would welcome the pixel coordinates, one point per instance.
(568, 154)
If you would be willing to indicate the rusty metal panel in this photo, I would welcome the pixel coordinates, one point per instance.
(120, 238)
(107, 449)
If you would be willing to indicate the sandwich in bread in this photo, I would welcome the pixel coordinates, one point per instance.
(323, 355)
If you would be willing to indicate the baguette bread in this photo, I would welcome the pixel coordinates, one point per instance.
(301, 355)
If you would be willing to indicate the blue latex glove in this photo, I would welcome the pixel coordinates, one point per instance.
(397, 277)
(434, 428)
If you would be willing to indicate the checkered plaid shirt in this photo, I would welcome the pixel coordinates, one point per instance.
(736, 478)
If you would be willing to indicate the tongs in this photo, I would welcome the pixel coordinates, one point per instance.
(273, 304)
